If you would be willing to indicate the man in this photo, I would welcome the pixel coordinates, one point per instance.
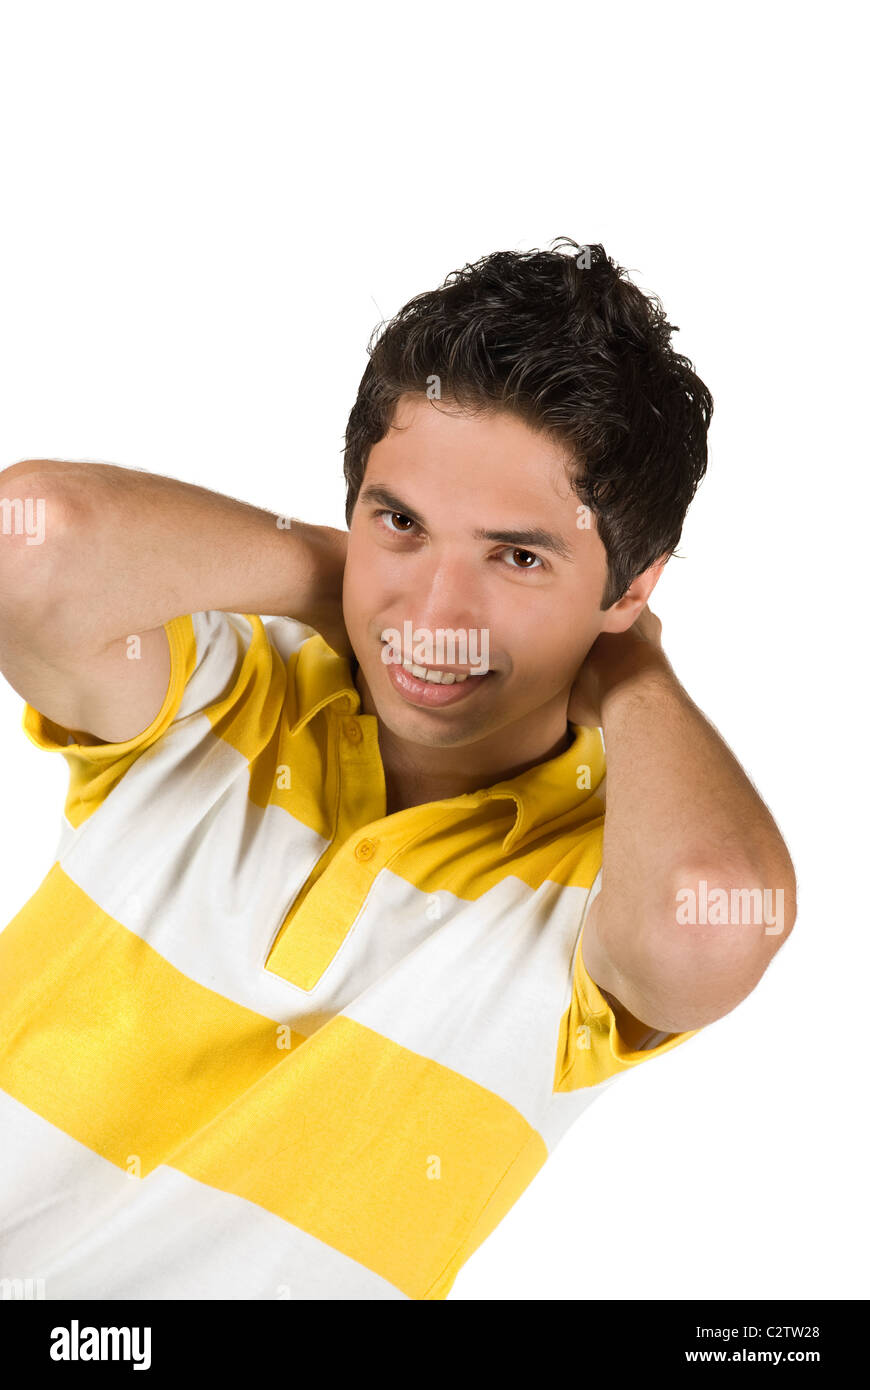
(339, 940)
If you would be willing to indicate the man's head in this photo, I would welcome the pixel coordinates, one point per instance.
(532, 393)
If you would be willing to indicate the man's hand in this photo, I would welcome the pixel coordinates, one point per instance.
(329, 545)
(611, 658)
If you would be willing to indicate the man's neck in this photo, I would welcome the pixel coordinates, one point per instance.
(411, 788)
(416, 773)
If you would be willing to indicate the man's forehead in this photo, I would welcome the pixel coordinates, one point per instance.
(498, 452)
(497, 479)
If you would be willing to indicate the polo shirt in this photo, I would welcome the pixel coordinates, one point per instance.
(261, 1040)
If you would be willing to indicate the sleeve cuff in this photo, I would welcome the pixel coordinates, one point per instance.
(46, 734)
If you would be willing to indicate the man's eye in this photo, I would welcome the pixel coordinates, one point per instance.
(515, 551)
(401, 531)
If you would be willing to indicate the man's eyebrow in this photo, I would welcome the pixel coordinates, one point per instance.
(532, 537)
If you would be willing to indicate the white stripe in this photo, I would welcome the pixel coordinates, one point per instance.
(180, 855)
(495, 979)
(52, 1190)
(169, 883)
(210, 879)
(72, 1218)
(287, 635)
(222, 640)
(493, 971)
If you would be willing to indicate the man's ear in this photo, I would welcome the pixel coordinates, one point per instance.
(620, 615)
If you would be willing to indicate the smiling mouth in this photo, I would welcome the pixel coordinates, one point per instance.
(443, 675)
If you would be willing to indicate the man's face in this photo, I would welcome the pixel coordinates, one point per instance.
(413, 558)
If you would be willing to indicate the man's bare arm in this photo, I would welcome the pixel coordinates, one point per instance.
(680, 810)
(108, 553)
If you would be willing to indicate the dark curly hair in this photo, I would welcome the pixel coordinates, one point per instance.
(576, 351)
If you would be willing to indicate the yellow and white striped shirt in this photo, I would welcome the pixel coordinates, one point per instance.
(260, 1040)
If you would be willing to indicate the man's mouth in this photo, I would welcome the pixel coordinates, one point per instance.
(437, 686)
(443, 675)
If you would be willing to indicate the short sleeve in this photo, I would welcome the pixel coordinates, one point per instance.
(591, 1048)
(222, 665)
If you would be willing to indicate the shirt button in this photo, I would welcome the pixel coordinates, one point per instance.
(365, 849)
(352, 731)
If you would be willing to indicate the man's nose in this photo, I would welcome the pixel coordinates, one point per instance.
(447, 593)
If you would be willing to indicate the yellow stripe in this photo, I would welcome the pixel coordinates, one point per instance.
(382, 1153)
(525, 1166)
(105, 1039)
(342, 1136)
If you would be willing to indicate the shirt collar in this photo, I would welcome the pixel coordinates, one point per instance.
(569, 787)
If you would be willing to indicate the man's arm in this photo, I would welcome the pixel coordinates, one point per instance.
(92, 554)
(682, 821)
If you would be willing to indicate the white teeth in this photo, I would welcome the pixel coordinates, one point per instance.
(435, 677)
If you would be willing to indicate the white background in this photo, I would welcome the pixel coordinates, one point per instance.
(207, 208)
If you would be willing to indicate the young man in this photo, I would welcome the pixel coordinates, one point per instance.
(340, 939)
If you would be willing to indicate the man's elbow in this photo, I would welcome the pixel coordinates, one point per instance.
(709, 951)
